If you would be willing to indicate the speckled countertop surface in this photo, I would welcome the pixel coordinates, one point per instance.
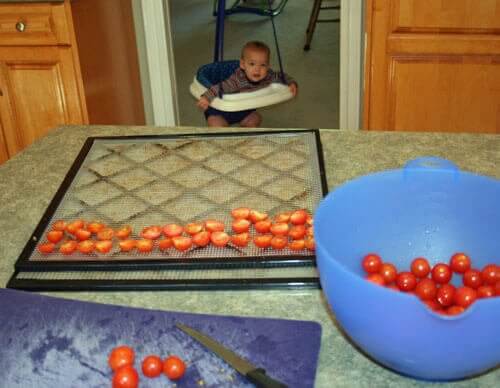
(29, 181)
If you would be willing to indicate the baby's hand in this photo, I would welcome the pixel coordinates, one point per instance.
(293, 88)
(203, 103)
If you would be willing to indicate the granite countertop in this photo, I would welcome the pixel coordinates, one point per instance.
(29, 180)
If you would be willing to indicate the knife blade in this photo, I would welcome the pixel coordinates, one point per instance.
(253, 373)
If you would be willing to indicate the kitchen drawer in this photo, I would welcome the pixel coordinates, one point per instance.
(26, 24)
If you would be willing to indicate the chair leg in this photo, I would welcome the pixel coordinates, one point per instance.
(312, 24)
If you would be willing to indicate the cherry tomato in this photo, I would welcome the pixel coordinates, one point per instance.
(472, 278)
(72, 227)
(388, 272)
(376, 278)
(445, 294)
(490, 274)
(86, 246)
(310, 231)
(240, 239)
(201, 239)
(172, 230)
(152, 366)
(280, 229)
(182, 243)
(95, 227)
(299, 217)
(372, 263)
(121, 356)
(103, 246)
(82, 234)
(406, 281)
(68, 247)
(464, 296)
(240, 212)
(240, 225)
(124, 232)
(297, 245)
(283, 217)
(426, 289)
(279, 242)
(263, 226)
(256, 216)
(153, 232)
(460, 262)
(174, 367)
(214, 226)
(126, 377)
(310, 220)
(127, 245)
(59, 225)
(420, 267)
(165, 244)
(485, 292)
(497, 288)
(263, 240)
(144, 245)
(297, 232)
(219, 239)
(105, 234)
(310, 243)
(54, 236)
(455, 310)
(441, 273)
(433, 305)
(193, 228)
(46, 248)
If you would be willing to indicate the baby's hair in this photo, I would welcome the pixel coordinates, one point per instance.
(255, 45)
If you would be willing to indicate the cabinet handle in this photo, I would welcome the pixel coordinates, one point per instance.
(20, 26)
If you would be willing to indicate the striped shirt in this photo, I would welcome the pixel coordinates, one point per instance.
(238, 82)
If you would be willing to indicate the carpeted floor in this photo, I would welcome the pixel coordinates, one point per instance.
(317, 70)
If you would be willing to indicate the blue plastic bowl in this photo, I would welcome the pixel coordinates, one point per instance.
(429, 209)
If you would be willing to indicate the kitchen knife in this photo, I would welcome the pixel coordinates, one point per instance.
(254, 374)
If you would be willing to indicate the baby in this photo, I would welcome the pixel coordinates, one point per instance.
(253, 74)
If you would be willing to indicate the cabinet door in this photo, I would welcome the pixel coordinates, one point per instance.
(41, 92)
(433, 65)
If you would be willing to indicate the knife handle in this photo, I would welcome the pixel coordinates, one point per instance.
(260, 379)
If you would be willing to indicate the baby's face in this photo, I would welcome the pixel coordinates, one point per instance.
(255, 64)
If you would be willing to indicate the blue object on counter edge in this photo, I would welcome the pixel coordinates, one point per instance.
(429, 208)
(48, 342)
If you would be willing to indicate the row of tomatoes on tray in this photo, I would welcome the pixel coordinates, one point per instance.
(121, 361)
(292, 229)
(432, 284)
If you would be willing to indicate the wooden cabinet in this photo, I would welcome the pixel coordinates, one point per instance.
(432, 65)
(40, 80)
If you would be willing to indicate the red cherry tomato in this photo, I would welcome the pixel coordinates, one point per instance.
(388, 272)
(219, 239)
(72, 227)
(420, 267)
(201, 239)
(441, 273)
(472, 278)
(121, 356)
(263, 226)
(127, 245)
(497, 288)
(105, 234)
(279, 242)
(174, 367)
(445, 294)
(126, 377)
(68, 247)
(310, 243)
(460, 262)
(54, 236)
(103, 246)
(153, 232)
(240, 212)
(465, 296)
(46, 248)
(214, 226)
(59, 225)
(406, 281)
(283, 217)
(86, 246)
(376, 278)
(144, 245)
(124, 232)
(263, 240)
(372, 263)
(426, 289)
(240, 239)
(193, 228)
(279, 229)
(165, 243)
(485, 292)
(256, 216)
(455, 310)
(490, 274)
(296, 245)
(299, 217)
(172, 230)
(433, 305)
(297, 232)
(182, 243)
(95, 227)
(152, 366)
(240, 225)
(82, 234)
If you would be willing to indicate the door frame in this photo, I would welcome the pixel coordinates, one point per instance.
(159, 84)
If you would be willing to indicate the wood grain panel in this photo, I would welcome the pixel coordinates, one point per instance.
(44, 24)
(450, 16)
(4, 154)
(445, 93)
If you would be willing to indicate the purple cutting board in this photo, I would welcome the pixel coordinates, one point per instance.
(54, 342)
